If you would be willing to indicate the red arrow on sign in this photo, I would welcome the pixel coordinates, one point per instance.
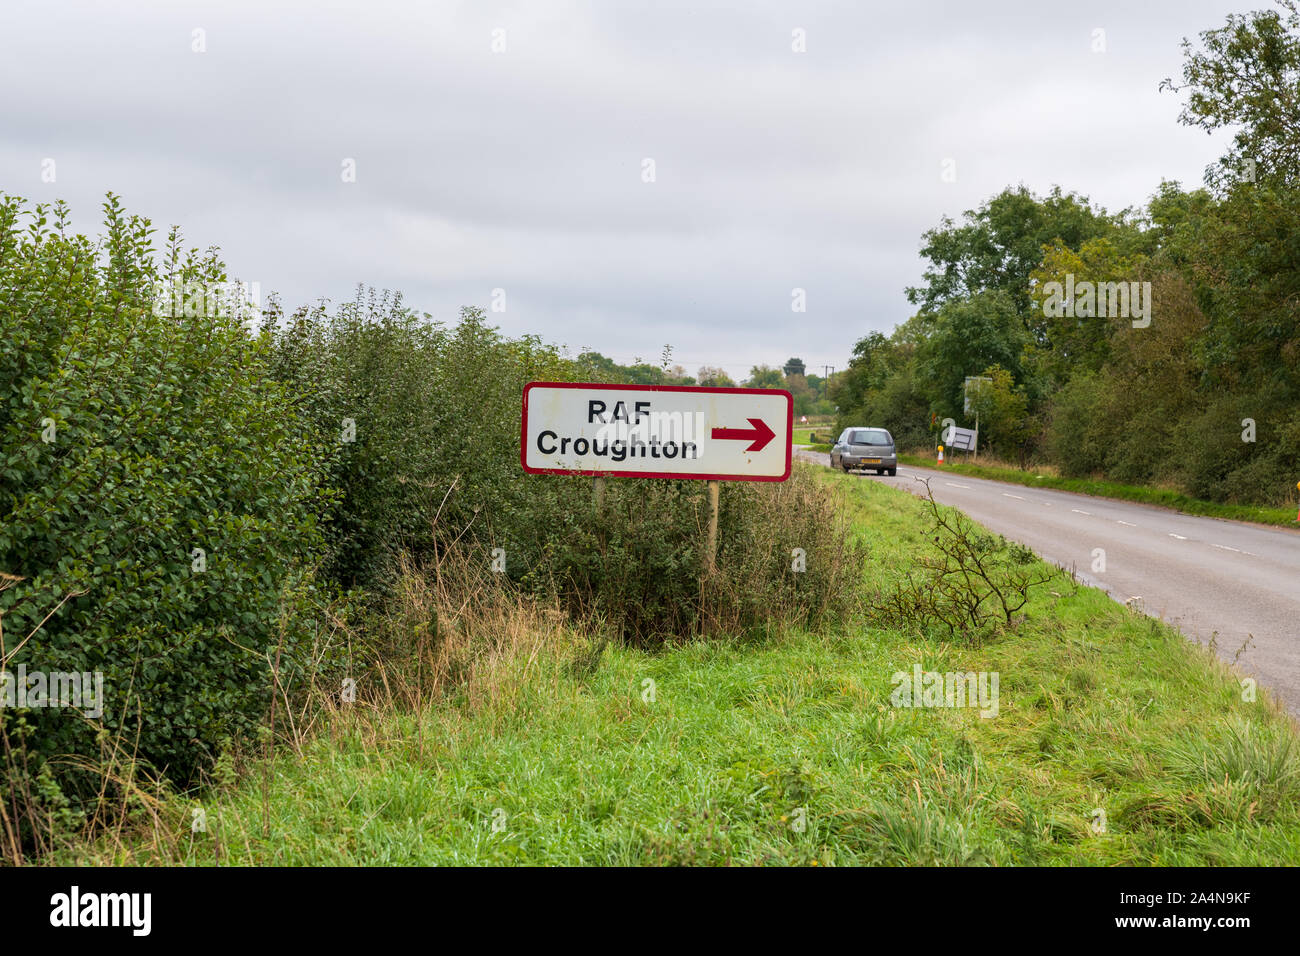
(760, 434)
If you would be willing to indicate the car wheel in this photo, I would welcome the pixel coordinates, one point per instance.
(893, 472)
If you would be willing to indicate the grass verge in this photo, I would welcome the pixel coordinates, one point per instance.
(805, 437)
(1115, 741)
(1161, 497)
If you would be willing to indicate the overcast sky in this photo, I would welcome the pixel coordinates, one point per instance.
(523, 168)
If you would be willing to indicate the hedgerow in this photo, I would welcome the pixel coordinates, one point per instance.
(158, 501)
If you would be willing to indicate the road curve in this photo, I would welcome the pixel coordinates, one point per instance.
(1205, 575)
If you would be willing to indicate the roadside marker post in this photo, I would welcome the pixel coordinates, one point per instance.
(658, 431)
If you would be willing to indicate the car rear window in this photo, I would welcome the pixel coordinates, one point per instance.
(870, 436)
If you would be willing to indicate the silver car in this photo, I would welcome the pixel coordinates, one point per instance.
(866, 448)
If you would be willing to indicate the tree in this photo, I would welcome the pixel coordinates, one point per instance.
(871, 364)
(714, 378)
(1218, 355)
(966, 337)
(794, 366)
(1244, 252)
(605, 369)
(1248, 76)
(764, 376)
(1065, 344)
(677, 376)
(880, 388)
(1003, 411)
(1000, 244)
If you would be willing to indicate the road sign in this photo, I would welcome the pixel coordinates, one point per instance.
(656, 431)
(962, 439)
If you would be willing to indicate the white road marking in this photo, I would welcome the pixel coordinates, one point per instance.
(1129, 523)
(1224, 547)
(1178, 536)
(953, 484)
(1017, 497)
(1078, 512)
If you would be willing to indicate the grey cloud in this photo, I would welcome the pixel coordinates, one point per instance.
(521, 170)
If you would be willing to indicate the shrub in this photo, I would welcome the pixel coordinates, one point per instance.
(970, 588)
(636, 561)
(1079, 430)
(1219, 465)
(156, 506)
(421, 423)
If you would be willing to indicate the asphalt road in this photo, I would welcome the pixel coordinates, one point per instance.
(1205, 575)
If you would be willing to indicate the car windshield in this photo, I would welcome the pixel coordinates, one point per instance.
(870, 436)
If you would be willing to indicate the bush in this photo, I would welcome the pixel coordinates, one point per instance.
(156, 506)
(1079, 430)
(971, 587)
(1220, 465)
(636, 562)
(421, 423)
(899, 404)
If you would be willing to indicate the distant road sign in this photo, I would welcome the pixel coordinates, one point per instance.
(962, 439)
(656, 431)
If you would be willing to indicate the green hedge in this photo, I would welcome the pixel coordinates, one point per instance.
(157, 502)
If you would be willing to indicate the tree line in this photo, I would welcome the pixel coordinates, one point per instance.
(1156, 345)
(811, 392)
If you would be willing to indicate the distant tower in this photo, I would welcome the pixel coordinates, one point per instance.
(794, 367)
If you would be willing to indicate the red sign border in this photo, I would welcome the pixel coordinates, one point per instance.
(789, 431)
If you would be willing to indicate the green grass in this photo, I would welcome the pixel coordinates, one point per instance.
(1101, 712)
(803, 436)
(1165, 498)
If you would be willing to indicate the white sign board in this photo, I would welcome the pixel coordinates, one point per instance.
(962, 439)
(657, 431)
